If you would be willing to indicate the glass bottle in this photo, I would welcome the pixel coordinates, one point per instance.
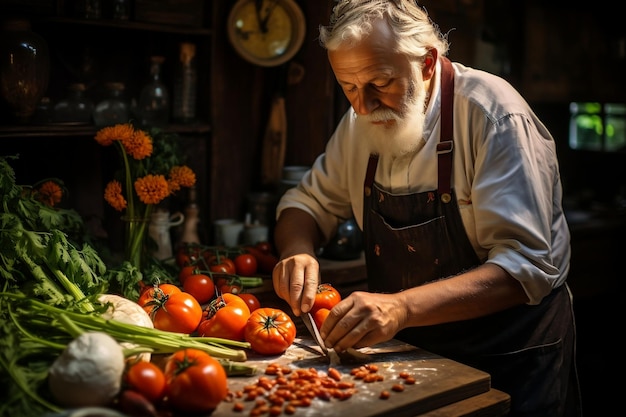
(153, 107)
(185, 84)
(113, 109)
(76, 107)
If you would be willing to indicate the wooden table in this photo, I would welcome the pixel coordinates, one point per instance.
(442, 387)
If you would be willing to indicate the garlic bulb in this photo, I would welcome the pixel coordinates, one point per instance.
(89, 371)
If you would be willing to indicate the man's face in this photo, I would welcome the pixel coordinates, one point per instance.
(385, 89)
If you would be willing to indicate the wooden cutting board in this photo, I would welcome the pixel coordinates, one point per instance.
(439, 381)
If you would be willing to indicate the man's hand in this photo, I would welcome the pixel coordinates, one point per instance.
(295, 280)
(363, 319)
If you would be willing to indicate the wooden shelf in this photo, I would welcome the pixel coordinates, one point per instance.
(55, 130)
(129, 25)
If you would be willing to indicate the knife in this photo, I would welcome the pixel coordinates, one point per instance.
(307, 318)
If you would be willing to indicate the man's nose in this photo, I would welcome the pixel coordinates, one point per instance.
(365, 103)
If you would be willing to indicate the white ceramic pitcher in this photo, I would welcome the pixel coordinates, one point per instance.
(159, 230)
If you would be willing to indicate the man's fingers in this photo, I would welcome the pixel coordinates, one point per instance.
(311, 282)
(295, 280)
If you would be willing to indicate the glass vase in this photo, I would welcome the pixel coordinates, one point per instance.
(24, 68)
(135, 232)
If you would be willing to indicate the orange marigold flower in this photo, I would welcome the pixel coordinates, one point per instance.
(174, 186)
(138, 145)
(107, 135)
(113, 195)
(183, 176)
(49, 193)
(151, 189)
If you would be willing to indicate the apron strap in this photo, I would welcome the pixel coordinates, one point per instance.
(446, 138)
(369, 174)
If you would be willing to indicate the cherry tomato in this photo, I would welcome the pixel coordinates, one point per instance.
(320, 315)
(246, 264)
(270, 331)
(201, 286)
(327, 297)
(176, 312)
(188, 254)
(185, 271)
(229, 284)
(265, 247)
(223, 265)
(265, 261)
(147, 379)
(196, 381)
(251, 300)
(227, 316)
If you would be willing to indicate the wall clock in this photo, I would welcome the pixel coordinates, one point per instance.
(266, 32)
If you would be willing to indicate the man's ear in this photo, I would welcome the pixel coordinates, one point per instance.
(430, 62)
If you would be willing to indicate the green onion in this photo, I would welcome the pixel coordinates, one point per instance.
(158, 340)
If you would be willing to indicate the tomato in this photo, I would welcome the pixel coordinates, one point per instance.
(223, 265)
(326, 297)
(270, 331)
(196, 381)
(320, 315)
(265, 261)
(227, 316)
(188, 254)
(245, 264)
(251, 300)
(147, 379)
(161, 290)
(229, 284)
(265, 247)
(201, 286)
(185, 271)
(176, 312)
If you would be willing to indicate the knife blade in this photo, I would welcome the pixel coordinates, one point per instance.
(309, 322)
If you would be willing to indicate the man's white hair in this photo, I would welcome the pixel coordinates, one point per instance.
(351, 21)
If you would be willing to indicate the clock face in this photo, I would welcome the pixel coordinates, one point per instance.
(266, 32)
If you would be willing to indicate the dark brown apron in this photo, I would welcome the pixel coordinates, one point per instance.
(411, 239)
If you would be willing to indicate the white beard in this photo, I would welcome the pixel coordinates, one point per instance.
(404, 135)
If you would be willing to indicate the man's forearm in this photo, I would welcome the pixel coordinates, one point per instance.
(476, 293)
(296, 232)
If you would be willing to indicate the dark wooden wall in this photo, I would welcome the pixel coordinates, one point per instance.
(241, 100)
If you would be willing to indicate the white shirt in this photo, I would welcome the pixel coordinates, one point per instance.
(505, 176)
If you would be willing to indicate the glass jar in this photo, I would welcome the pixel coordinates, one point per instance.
(113, 109)
(153, 106)
(76, 107)
(185, 84)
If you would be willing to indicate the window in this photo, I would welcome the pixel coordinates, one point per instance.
(597, 127)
